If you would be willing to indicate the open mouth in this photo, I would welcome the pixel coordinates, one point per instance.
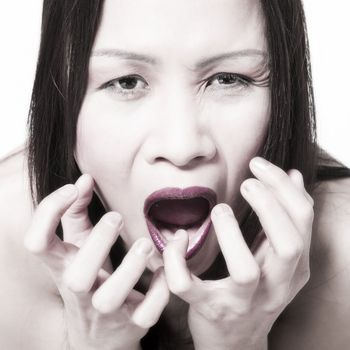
(171, 209)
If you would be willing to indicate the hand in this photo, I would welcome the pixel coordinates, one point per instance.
(102, 309)
(238, 312)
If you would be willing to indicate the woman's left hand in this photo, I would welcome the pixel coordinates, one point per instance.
(238, 312)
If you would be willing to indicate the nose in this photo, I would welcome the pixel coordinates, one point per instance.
(178, 137)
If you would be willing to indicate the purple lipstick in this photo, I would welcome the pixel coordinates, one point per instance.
(170, 209)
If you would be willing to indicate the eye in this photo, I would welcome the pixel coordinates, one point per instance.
(229, 81)
(128, 85)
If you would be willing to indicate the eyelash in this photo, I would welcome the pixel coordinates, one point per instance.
(243, 81)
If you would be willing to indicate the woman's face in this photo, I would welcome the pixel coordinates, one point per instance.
(157, 114)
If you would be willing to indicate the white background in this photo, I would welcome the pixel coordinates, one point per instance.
(329, 33)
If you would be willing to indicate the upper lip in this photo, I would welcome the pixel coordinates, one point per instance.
(178, 193)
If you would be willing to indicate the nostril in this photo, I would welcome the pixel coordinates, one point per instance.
(185, 164)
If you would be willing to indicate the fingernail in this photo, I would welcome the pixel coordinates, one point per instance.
(113, 219)
(67, 190)
(260, 163)
(82, 178)
(179, 234)
(144, 247)
(251, 185)
(222, 209)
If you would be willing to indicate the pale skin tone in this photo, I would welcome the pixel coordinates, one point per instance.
(157, 141)
(265, 281)
(31, 302)
(170, 124)
(261, 282)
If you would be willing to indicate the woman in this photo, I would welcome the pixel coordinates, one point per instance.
(189, 135)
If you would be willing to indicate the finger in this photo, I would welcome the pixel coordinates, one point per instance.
(287, 245)
(41, 238)
(112, 294)
(292, 198)
(243, 268)
(297, 178)
(76, 223)
(261, 250)
(149, 310)
(80, 276)
(180, 280)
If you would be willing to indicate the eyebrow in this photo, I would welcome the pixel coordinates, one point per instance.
(233, 55)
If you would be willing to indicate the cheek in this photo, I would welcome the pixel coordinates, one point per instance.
(241, 131)
(104, 147)
(242, 125)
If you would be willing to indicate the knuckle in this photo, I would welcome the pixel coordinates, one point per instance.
(35, 246)
(280, 176)
(291, 252)
(289, 255)
(307, 211)
(100, 305)
(298, 173)
(247, 278)
(49, 208)
(218, 311)
(180, 289)
(242, 309)
(32, 246)
(74, 284)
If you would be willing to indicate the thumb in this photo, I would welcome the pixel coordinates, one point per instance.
(76, 223)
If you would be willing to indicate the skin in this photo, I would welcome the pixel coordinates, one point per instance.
(175, 131)
(239, 311)
(171, 103)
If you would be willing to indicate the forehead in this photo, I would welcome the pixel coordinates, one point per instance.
(181, 28)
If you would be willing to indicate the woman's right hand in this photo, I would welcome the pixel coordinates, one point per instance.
(102, 309)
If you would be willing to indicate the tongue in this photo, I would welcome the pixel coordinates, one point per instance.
(180, 212)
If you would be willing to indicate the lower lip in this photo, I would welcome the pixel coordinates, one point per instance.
(195, 243)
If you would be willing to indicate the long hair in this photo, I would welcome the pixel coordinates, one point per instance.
(68, 31)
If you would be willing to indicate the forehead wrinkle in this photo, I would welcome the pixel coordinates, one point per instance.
(233, 55)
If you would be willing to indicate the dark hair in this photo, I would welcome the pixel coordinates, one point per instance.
(67, 35)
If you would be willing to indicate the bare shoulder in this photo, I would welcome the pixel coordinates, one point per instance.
(16, 209)
(332, 224)
(31, 315)
(318, 317)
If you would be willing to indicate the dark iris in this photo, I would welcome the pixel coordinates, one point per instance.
(127, 85)
(226, 78)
